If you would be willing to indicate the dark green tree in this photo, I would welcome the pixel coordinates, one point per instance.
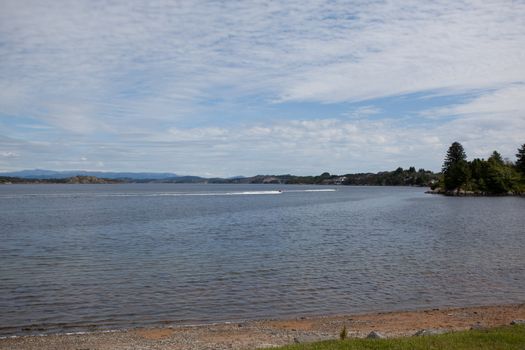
(456, 171)
(520, 162)
(455, 154)
(495, 176)
(499, 176)
(478, 174)
(496, 158)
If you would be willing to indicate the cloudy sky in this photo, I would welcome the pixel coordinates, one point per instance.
(228, 88)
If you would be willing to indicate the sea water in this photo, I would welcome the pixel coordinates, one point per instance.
(98, 257)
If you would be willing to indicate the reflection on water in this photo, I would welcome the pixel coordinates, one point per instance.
(84, 257)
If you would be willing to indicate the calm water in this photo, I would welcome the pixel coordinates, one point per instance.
(85, 257)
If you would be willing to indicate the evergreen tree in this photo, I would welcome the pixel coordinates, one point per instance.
(495, 177)
(500, 177)
(492, 176)
(520, 163)
(496, 158)
(456, 171)
(455, 154)
(478, 173)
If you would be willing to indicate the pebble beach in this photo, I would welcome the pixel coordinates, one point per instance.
(272, 333)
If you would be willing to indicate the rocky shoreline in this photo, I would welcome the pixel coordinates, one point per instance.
(271, 333)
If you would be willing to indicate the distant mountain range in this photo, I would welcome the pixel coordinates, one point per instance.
(51, 174)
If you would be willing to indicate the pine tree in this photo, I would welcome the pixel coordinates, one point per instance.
(455, 154)
(520, 163)
(496, 158)
(456, 171)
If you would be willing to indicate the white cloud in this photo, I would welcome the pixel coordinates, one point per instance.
(295, 146)
(509, 100)
(183, 52)
(493, 121)
(363, 112)
(198, 134)
(8, 154)
(149, 75)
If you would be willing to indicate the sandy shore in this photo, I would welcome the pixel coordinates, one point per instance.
(269, 333)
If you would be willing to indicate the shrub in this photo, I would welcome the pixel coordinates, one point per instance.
(344, 333)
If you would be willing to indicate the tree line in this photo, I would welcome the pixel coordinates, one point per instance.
(493, 176)
(398, 177)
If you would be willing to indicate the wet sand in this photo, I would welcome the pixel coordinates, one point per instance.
(270, 333)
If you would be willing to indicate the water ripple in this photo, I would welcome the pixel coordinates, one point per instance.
(77, 258)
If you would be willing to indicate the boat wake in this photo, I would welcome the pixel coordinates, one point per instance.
(162, 194)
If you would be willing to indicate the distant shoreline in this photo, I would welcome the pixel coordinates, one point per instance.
(269, 333)
(472, 194)
(398, 177)
(74, 180)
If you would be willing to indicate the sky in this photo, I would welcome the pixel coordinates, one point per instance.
(228, 88)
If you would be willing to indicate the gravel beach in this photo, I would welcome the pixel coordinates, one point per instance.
(270, 333)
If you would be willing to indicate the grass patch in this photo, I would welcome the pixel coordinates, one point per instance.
(508, 337)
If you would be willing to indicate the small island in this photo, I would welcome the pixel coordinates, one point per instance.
(479, 177)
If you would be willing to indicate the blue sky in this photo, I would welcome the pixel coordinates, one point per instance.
(217, 88)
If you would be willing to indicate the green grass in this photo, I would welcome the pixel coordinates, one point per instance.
(509, 337)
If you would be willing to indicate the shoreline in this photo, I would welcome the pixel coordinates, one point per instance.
(472, 194)
(275, 332)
